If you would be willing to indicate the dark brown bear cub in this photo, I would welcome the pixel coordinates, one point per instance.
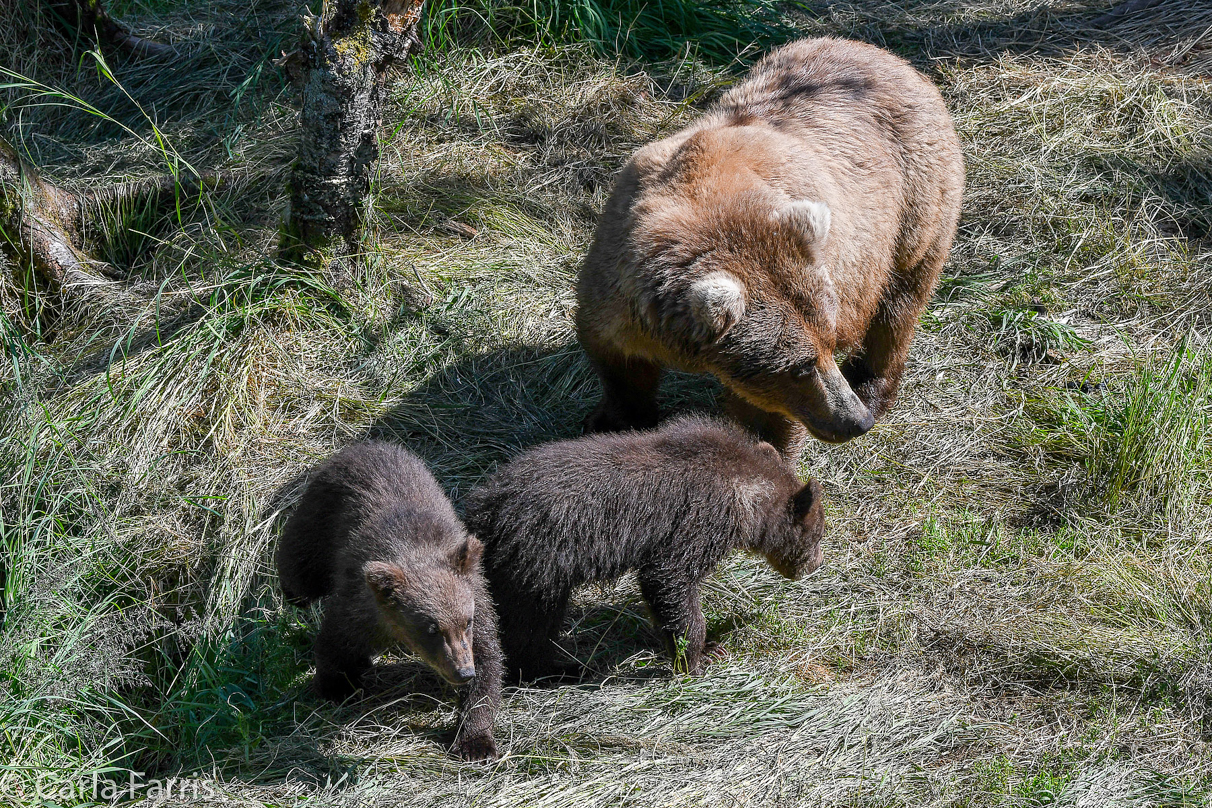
(375, 533)
(669, 504)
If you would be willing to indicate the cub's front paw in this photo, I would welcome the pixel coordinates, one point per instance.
(475, 748)
(712, 652)
(336, 686)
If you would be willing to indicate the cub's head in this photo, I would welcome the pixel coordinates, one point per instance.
(429, 605)
(792, 543)
(760, 310)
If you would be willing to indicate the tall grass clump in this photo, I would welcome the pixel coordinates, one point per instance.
(1157, 442)
(722, 31)
(1145, 442)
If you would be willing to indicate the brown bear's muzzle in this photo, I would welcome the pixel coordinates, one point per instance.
(833, 413)
(840, 430)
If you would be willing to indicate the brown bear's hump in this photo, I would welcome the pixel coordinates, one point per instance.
(836, 74)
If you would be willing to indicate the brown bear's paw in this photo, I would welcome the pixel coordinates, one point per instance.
(712, 652)
(478, 747)
(876, 392)
(609, 419)
(336, 686)
(561, 672)
(295, 599)
(546, 673)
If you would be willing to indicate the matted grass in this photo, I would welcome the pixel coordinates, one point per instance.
(1017, 596)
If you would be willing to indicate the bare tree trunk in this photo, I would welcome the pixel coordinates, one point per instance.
(346, 57)
(90, 18)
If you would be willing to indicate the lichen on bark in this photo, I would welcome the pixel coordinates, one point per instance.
(347, 57)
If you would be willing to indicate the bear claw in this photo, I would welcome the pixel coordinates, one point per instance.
(475, 748)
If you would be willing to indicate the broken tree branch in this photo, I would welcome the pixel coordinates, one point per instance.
(41, 223)
(44, 227)
(89, 18)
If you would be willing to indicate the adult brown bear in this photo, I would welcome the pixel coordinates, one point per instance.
(806, 215)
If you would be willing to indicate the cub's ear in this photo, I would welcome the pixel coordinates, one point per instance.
(804, 500)
(384, 579)
(717, 303)
(769, 450)
(810, 219)
(465, 557)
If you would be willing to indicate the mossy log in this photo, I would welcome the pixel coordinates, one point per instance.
(346, 57)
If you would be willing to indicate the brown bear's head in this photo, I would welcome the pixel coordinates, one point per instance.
(429, 605)
(759, 310)
(792, 544)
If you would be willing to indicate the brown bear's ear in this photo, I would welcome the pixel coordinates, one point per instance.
(810, 219)
(384, 579)
(804, 499)
(717, 303)
(468, 553)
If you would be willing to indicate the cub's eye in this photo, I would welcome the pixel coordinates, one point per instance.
(803, 371)
(433, 628)
(467, 627)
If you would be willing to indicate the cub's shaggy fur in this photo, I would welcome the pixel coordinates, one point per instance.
(669, 504)
(807, 214)
(375, 533)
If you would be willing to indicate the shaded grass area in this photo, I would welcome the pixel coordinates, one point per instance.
(1015, 606)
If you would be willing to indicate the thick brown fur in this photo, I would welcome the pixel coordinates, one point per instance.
(375, 533)
(807, 214)
(668, 503)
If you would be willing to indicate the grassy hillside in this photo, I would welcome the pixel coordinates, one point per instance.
(1017, 599)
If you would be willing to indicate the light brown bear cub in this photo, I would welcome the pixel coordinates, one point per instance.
(375, 533)
(806, 215)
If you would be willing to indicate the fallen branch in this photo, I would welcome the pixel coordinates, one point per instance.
(89, 18)
(44, 226)
(41, 224)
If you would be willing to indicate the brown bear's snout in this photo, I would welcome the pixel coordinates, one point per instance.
(460, 662)
(850, 425)
(831, 410)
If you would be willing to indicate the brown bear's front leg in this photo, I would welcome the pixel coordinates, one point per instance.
(874, 371)
(785, 434)
(483, 698)
(343, 648)
(629, 389)
(529, 628)
(679, 614)
(875, 388)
